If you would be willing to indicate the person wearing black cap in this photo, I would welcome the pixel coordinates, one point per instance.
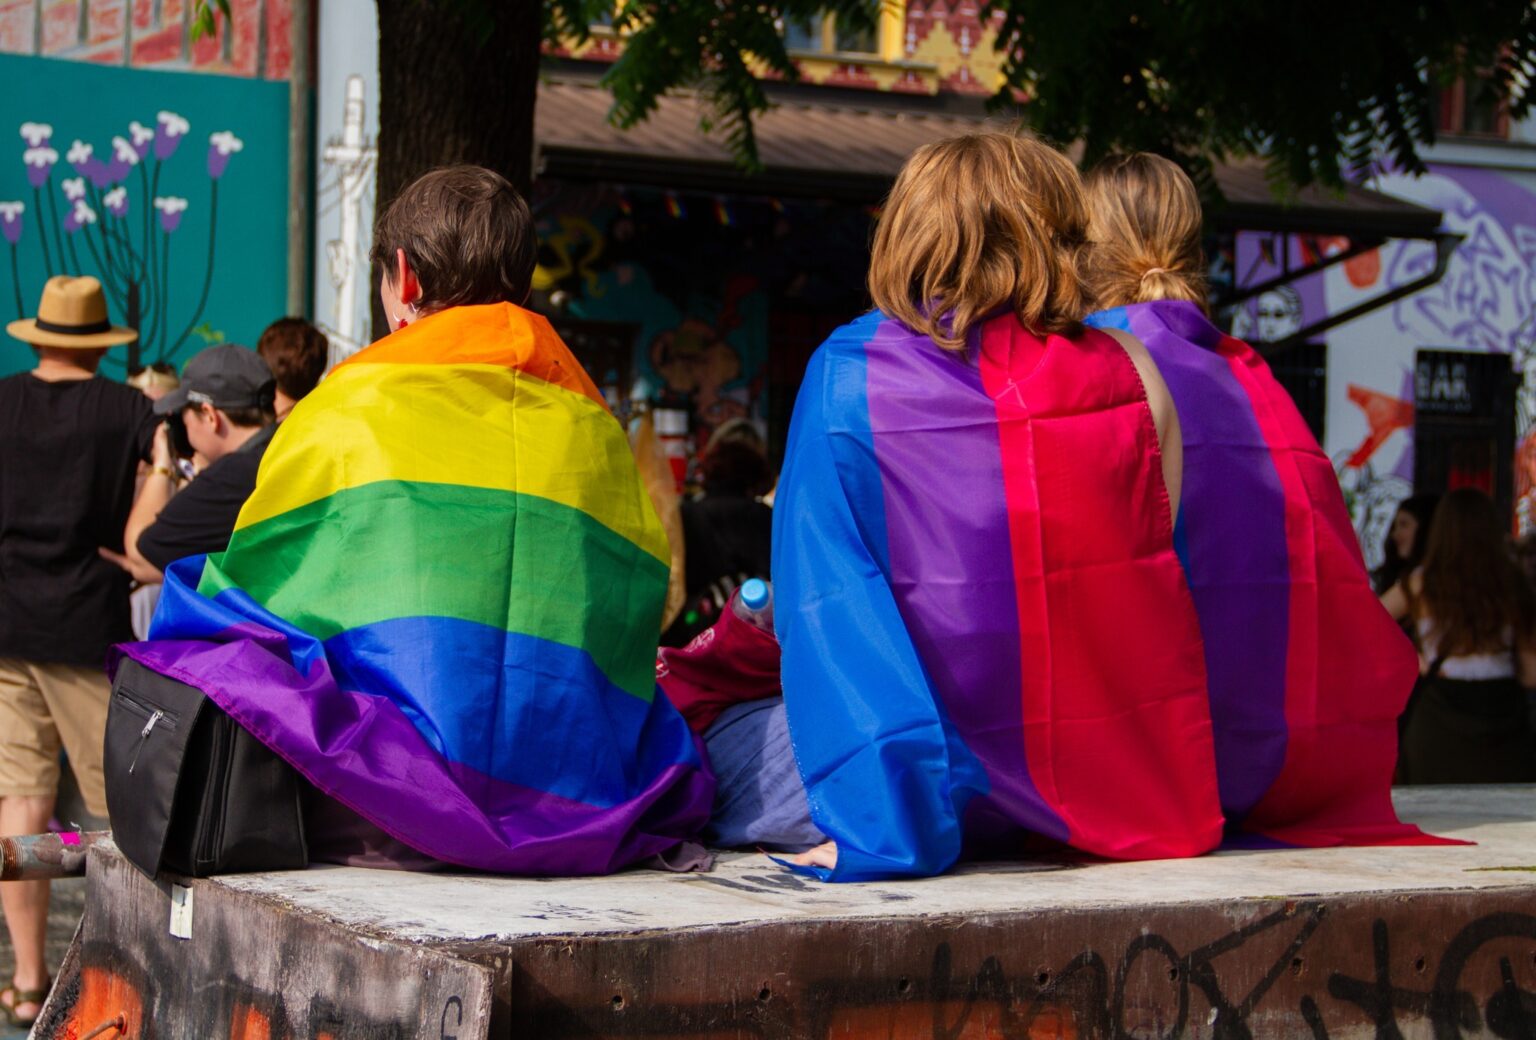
(225, 405)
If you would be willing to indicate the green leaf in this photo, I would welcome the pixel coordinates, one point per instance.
(203, 22)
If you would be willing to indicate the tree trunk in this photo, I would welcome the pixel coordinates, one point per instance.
(457, 83)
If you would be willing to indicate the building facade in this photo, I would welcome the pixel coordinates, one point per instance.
(679, 278)
(158, 162)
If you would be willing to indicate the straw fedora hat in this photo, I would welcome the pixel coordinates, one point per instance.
(72, 313)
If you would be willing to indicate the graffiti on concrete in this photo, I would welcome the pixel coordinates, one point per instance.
(1294, 970)
(249, 970)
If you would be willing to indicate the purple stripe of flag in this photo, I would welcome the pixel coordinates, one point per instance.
(951, 562)
(441, 808)
(1232, 512)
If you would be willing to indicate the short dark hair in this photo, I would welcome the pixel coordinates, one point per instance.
(296, 352)
(249, 416)
(467, 234)
(736, 468)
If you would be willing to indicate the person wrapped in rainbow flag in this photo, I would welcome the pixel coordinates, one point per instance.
(442, 601)
(1037, 583)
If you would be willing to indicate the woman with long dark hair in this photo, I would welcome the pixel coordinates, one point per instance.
(1403, 549)
(1475, 617)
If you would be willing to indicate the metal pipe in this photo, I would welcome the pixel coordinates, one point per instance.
(1446, 243)
(1356, 247)
(37, 857)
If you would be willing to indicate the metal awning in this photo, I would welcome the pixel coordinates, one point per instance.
(852, 148)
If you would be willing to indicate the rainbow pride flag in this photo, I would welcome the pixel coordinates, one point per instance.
(994, 627)
(441, 605)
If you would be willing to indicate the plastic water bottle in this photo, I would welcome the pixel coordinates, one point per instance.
(753, 603)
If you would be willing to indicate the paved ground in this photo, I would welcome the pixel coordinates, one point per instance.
(68, 903)
(63, 914)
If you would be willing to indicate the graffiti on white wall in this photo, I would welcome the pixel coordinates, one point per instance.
(1485, 302)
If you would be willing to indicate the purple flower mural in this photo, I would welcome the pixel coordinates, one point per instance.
(124, 158)
(80, 216)
(40, 162)
(170, 128)
(84, 226)
(10, 226)
(141, 137)
(83, 158)
(10, 220)
(220, 147)
(170, 208)
(38, 157)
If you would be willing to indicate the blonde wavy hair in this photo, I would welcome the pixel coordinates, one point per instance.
(1144, 229)
(976, 223)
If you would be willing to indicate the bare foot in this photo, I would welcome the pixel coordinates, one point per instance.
(823, 855)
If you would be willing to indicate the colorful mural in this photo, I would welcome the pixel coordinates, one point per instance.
(960, 41)
(929, 47)
(1485, 302)
(697, 341)
(175, 198)
(696, 277)
(255, 41)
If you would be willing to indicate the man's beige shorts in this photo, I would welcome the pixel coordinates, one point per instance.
(42, 706)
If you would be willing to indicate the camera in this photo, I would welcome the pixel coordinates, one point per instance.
(176, 427)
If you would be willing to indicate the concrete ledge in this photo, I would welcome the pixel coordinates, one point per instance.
(1436, 941)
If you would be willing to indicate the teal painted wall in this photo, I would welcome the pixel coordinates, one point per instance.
(168, 254)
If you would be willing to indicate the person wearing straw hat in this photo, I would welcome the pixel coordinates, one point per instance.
(70, 443)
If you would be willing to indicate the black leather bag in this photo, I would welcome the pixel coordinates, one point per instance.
(189, 791)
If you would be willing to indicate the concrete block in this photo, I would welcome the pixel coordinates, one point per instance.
(1309, 943)
(251, 967)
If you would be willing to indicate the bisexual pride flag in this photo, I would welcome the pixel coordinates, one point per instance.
(441, 605)
(994, 625)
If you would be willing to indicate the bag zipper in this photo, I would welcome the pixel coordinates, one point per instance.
(145, 708)
(144, 737)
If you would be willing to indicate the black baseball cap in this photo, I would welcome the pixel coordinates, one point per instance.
(225, 376)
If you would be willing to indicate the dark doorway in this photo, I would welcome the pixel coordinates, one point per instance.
(1464, 423)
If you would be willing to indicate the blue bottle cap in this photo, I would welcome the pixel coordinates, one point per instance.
(754, 594)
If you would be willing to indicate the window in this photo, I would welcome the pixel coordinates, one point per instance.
(854, 41)
(823, 35)
(1471, 108)
(1302, 368)
(803, 34)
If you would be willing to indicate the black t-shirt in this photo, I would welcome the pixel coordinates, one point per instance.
(69, 452)
(201, 516)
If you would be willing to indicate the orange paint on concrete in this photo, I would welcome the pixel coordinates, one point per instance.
(103, 996)
(919, 1020)
(1053, 1024)
(249, 1023)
